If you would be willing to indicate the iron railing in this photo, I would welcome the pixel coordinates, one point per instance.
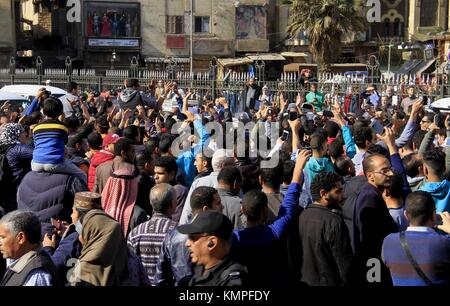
(232, 84)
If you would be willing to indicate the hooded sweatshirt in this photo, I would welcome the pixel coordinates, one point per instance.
(316, 165)
(130, 98)
(440, 193)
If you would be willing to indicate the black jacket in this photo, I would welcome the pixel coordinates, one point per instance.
(145, 184)
(352, 187)
(327, 253)
(227, 273)
(255, 97)
(371, 224)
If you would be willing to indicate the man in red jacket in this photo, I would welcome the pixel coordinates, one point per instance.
(104, 155)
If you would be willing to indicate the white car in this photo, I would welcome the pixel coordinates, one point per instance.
(29, 91)
(443, 105)
(14, 100)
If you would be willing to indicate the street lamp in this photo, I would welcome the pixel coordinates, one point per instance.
(389, 57)
(113, 59)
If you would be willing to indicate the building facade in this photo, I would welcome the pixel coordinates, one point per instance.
(7, 31)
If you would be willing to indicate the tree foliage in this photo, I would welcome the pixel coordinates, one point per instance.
(325, 22)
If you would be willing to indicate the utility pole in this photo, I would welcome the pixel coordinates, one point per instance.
(191, 70)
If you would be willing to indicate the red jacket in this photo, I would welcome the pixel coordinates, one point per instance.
(99, 158)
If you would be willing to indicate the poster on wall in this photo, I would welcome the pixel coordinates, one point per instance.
(251, 22)
(112, 19)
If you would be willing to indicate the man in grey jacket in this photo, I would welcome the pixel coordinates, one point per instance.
(229, 185)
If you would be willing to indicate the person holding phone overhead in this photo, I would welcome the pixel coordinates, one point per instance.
(250, 94)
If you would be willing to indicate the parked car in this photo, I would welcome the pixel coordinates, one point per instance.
(15, 100)
(442, 105)
(29, 91)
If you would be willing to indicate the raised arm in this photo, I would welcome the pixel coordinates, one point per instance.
(291, 200)
(396, 162)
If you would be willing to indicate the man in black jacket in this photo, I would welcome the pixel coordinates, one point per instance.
(209, 241)
(251, 93)
(327, 253)
(371, 219)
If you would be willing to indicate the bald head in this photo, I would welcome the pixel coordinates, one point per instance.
(163, 198)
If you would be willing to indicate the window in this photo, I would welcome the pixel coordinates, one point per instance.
(428, 13)
(397, 28)
(175, 25)
(202, 24)
(387, 28)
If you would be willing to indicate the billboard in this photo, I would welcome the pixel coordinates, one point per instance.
(251, 22)
(107, 20)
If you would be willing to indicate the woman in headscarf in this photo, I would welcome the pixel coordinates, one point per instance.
(17, 156)
(103, 260)
(119, 199)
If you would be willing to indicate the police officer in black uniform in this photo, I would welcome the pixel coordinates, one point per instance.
(209, 242)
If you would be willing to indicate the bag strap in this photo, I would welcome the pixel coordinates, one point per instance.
(413, 261)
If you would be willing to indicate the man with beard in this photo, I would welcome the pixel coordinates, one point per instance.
(371, 219)
(327, 253)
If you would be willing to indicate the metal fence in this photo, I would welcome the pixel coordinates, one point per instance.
(232, 84)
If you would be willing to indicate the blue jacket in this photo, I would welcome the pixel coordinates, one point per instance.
(17, 164)
(33, 107)
(350, 147)
(174, 265)
(69, 247)
(258, 248)
(185, 161)
(50, 137)
(441, 194)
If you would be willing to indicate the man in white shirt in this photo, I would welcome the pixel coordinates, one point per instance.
(70, 99)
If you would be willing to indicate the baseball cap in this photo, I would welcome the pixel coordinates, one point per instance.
(209, 222)
(111, 139)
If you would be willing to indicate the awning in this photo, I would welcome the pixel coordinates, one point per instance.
(294, 54)
(422, 67)
(226, 62)
(164, 59)
(266, 57)
(409, 66)
(294, 67)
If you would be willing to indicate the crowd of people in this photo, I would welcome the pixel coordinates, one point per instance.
(139, 190)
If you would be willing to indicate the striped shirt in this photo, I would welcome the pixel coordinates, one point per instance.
(49, 137)
(431, 251)
(146, 240)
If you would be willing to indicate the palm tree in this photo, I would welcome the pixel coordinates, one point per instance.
(324, 23)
